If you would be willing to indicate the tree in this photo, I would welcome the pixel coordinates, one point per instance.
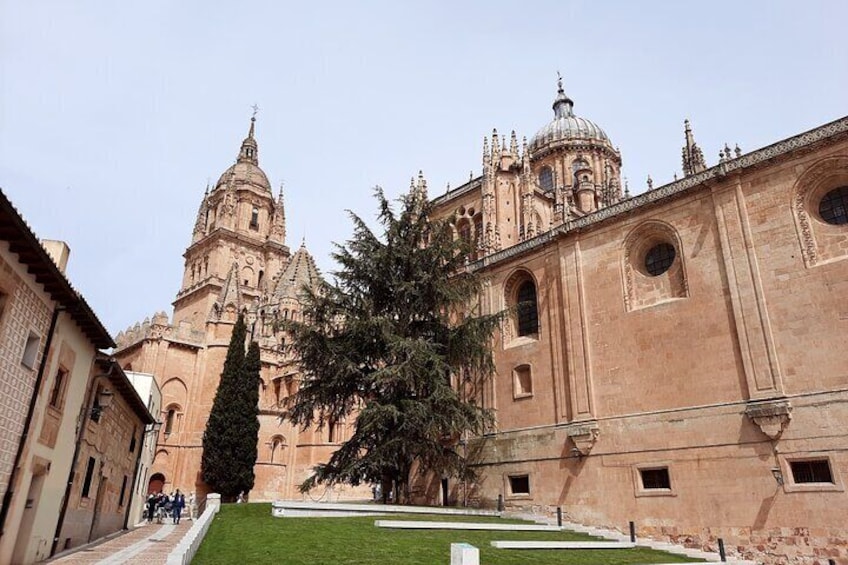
(397, 343)
(230, 438)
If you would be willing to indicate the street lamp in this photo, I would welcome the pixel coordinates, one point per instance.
(101, 402)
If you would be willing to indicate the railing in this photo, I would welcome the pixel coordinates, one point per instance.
(185, 550)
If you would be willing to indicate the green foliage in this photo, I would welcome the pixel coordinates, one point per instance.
(399, 343)
(232, 431)
(246, 533)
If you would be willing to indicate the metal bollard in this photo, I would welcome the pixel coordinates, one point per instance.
(500, 503)
(632, 532)
(559, 516)
(721, 553)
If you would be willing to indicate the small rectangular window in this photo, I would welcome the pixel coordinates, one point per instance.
(519, 484)
(31, 350)
(522, 382)
(811, 471)
(123, 491)
(96, 409)
(655, 478)
(89, 473)
(56, 393)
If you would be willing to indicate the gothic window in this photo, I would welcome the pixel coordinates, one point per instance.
(464, 229)
(546, 179)
(254, 218)
(528, 313)
(833, 207)
(653, 266)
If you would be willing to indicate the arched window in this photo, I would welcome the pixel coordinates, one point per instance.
(254, 218)
(278, 445)
(171, 419)
(528, 313)
(464, 229)
(546, 179)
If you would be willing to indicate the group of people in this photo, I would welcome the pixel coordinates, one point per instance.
(160, 506)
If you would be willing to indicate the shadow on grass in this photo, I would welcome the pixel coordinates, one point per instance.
(248, 534)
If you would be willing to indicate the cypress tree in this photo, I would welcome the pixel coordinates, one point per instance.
(230, 438)
(398, 344)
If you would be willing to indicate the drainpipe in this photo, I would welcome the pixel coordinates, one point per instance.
(7, 497)
(80, 430)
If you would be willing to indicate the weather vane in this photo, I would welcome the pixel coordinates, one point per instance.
(255, 110)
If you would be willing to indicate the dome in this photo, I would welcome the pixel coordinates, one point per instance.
(566, 126)
(245, 172)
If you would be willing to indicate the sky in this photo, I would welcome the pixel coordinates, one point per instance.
(115, 115)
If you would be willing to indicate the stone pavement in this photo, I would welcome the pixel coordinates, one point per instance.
(148, 544)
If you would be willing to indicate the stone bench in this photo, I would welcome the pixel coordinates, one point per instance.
(563, 544)
(424, 525)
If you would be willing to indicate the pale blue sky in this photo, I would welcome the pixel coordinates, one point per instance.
(113, 115)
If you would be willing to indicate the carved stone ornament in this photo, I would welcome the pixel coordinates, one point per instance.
(771, 416)
(583, 435)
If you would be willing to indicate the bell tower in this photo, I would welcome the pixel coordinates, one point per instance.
(238, 241)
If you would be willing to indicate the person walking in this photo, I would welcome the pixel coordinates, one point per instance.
(178, 505)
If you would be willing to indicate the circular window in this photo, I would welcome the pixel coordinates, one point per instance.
(833, 208)
(659, 258)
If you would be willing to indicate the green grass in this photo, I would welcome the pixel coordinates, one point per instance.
(248, 534)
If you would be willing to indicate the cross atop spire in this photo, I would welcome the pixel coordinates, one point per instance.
(249, 149)
(563, 105)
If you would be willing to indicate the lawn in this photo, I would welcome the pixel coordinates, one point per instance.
(247, 533)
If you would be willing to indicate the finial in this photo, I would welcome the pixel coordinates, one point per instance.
(737, 150)
(727, 151)
(563, 105)
(650, 182)
(303, 242)
(626, 188)
(470, 176)
(675, 175)
(559, 82)
(207, 187)
(255, 111)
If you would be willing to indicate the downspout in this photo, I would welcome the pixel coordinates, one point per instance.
(7, 497)
(80, 430)
(135, 476)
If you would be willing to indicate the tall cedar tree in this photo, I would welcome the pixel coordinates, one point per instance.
(398, 343)
(230, 439)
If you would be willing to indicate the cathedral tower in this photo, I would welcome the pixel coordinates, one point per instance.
(238, 239)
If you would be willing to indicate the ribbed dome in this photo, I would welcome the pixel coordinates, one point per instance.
(245, 172)
(566, 126)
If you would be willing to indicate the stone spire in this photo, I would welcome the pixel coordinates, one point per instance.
(278, 223)
(301, 271)
(563, 105)
(202, 216)
(249, 152)
(693, 158)
(230, 296)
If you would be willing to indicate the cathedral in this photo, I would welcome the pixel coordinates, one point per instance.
(237, 262)
(676, 360)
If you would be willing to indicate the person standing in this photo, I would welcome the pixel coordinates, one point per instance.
(192, 508)
(151, 507)
(178, 505)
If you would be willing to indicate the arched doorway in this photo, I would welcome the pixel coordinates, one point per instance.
(156, 484)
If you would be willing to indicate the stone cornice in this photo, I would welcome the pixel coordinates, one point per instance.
(682, 186)
(230, 235)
